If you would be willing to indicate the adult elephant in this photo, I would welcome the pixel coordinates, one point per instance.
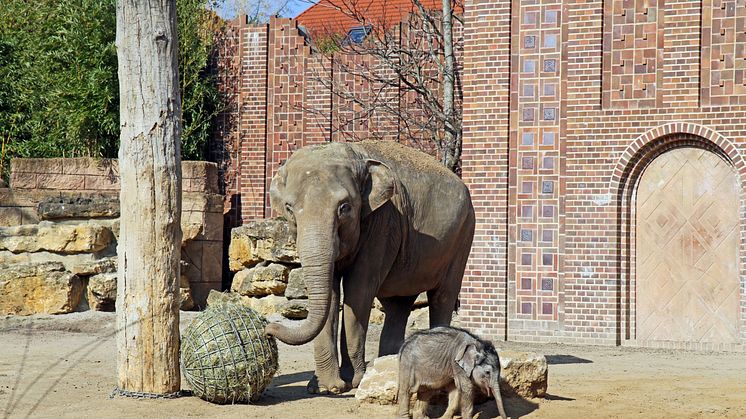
(383, 219)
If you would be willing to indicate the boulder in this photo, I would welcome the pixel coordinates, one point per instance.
(296, 288)
(295, 309)
(57, 238)
(102, 292)
(266, 306)
(215, 297)
(190, 232)
(95, 266)
(419, 319)
(261, 280)
(39, 288)
(261, 240)
(78, 207)
(380, 382)
(376, 316)
(523, 373)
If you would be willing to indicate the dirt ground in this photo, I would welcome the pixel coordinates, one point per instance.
(64, 366)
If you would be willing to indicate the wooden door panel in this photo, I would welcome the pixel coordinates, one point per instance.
(687, 249)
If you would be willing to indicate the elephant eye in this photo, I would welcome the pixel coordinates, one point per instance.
(288, 208)
(345, 208)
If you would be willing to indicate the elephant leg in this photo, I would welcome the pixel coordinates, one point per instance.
(397, 311)
(443, 299)
(327, 379)
(357, 305)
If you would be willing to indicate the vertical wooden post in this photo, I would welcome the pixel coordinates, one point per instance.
(150, 197)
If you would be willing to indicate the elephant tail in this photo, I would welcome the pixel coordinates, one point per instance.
(457, 306)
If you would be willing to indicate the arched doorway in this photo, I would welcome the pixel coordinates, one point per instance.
(687, 232)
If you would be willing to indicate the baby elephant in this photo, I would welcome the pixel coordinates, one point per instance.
(451, 359)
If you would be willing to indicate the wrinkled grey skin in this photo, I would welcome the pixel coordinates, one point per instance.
(451, 359)
(385, 221)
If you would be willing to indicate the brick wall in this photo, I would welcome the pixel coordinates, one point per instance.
(629, 78)
(279, 96)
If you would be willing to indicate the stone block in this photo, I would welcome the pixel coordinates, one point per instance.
(296, 288)
(94, 267)
(101, 183)
(261, 240)
(38, 288)
(261, 280)
(20, 180)
(213, 226)
(10, 216)
(55, 208)
(102, 292)
(212, 261)
(90, 166)
(295, 309)
(268, 305)
(60, 182)
(58, 238)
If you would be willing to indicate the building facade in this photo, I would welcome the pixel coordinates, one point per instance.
(603, 146)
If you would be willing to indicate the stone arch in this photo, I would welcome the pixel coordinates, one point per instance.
(622, 189)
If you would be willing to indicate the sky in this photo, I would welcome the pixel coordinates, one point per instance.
(228, 8)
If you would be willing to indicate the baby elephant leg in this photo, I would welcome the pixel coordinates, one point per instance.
(454, 400)
(423, 400)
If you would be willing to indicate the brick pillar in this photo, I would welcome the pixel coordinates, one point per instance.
(485, 163)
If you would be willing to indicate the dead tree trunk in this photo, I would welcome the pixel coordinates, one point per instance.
(150, 176)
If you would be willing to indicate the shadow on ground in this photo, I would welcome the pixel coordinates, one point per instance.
(566, 359)
(292, 387)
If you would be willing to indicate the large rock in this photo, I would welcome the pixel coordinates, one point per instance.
(57, 238)
(523, 374)
(261, 240)
(377, 316)
(380, 382)
(79, 207)
(261, 280)
(217, 297)
(95, 266)
(419, 319)
(295, 309)
(268, 305)
(39, 288)
(102, 292)
(296, 288)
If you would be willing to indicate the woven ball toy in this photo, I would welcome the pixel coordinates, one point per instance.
(225, 355)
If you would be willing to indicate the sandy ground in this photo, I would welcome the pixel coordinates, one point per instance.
(64, 366)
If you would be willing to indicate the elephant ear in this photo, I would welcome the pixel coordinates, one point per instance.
(466, 358)
(276, 188)
(378, 188)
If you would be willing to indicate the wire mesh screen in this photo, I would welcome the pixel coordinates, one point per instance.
(225, 355)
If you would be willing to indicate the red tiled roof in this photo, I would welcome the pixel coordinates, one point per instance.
(334, 16)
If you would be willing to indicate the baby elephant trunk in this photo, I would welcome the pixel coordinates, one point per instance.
(495, 387)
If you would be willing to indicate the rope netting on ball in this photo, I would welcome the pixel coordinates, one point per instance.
(225, 355)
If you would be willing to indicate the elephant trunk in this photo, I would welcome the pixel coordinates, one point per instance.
(498, 398)
(317, 258)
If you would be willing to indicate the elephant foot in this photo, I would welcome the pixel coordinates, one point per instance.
(331, 386)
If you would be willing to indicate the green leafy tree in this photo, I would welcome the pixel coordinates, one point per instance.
(59, 91)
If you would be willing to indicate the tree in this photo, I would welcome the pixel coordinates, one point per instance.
(58, 77)
(412, 71)
(150, 176)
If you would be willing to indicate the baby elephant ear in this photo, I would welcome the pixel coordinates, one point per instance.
(378, 188)
(467, 358)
